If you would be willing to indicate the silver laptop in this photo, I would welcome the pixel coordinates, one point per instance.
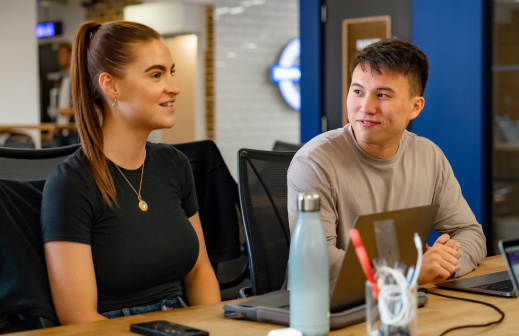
(501, 283)
(350, 285)
(347, 299)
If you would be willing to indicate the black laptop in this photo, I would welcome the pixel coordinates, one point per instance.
(348, 295)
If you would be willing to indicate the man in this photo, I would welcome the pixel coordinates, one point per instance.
(374, 165)
(65, 113)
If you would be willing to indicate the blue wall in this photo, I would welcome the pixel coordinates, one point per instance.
(452, 35)
(310, 60)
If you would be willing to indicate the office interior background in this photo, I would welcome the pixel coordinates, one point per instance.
(224, 52)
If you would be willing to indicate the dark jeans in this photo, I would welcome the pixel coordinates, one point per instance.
(162, 306)
(71, 139)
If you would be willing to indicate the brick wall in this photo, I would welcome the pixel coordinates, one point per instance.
(209, 74)
(108, 10)
(250, 112)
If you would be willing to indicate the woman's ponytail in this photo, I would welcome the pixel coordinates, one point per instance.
(88, 108)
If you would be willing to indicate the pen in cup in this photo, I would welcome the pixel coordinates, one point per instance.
(364, 260)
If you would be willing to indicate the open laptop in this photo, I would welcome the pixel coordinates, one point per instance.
(348, 295)
(501, 283)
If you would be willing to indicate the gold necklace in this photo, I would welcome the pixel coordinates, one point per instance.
(142, 205)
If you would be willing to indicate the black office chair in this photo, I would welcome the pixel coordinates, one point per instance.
(286, 147)
(19, 140)
(218, 198)
(25, 300)
(262, 177)
(32, 164)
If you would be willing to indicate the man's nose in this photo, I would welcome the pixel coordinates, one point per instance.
(369, 105)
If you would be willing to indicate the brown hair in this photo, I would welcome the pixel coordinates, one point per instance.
(399, 57)
(110, 48)
(65, 45)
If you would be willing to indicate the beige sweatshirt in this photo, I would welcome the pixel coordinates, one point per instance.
(352, 183)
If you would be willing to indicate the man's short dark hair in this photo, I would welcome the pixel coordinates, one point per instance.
(396, 56)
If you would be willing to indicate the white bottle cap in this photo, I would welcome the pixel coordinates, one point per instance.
(285, 332)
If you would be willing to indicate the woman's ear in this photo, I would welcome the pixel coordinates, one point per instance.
(107, 84)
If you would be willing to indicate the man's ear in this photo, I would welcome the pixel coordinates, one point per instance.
(107, 84)
(417, 107)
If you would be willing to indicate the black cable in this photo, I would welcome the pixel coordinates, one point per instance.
(469, 300)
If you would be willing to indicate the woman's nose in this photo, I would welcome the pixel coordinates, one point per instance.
(172, 87)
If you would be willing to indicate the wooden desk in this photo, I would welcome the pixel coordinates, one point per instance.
(437, 316)
(41, 127)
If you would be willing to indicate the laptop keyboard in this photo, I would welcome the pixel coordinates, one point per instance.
(501, 286)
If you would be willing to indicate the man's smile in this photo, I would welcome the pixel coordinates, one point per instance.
(367, 123)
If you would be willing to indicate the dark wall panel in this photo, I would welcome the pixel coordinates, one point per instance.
(337, 11)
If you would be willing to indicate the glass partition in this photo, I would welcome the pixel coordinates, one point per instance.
(505, 106)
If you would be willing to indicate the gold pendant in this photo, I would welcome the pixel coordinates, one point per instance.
(143, 205)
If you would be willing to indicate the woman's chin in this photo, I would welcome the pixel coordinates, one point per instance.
(171, 124)
(167, 124)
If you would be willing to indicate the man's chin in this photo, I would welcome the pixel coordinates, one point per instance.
(365, 136)
(368, 140)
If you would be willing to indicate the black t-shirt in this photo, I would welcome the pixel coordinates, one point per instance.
(139, 257)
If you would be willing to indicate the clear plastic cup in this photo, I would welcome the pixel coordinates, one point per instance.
(374, 325)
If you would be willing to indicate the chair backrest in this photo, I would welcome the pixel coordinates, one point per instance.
(262, 179)
(23, 274)
(32, 164)
(217, 195)
(25, 299)
(285, 146)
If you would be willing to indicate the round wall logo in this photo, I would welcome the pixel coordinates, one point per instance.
(287, 74)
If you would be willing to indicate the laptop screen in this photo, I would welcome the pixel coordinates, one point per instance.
(512, 254)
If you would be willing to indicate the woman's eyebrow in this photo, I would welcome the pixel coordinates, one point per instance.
(156, 66)
(159, 67)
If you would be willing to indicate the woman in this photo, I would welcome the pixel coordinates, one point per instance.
(120, 220)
